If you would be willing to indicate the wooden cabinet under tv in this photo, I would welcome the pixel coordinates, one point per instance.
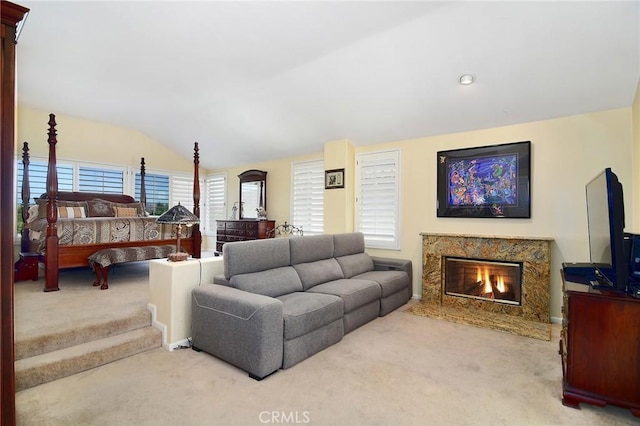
(600, 348)
(241, 230)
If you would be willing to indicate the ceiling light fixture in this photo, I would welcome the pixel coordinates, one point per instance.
(466, 79)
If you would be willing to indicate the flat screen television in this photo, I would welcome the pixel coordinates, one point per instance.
(605, 216)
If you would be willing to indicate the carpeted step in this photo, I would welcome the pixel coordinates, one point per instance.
(55, 365)
(49, 341)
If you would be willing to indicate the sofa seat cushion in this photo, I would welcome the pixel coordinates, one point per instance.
(355, 293)
(304, 312)
(355, 264)
(272, 282)
(390, 281)
(318, 272)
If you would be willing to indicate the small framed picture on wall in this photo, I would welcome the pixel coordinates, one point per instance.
(334, 179)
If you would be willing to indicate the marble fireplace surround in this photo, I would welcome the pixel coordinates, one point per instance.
(531, 318)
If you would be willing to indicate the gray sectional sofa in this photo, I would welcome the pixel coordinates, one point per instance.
(282, 300)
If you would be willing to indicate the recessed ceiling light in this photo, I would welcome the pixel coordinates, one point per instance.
(466, 79)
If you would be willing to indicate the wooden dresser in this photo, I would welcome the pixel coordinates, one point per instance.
(241, 230)
(600, 348)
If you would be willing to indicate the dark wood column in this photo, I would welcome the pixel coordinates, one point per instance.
(11, 14)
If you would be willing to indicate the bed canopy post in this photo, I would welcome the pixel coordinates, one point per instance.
(26, 194)
(143, 189)
(51, 243)
(197, 236)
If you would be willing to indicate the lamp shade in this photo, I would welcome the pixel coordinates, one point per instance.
(178, 215)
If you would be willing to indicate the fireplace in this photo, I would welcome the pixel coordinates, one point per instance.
(491, 280)
(523, 263)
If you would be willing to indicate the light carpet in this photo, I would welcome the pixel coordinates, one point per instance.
(38, 313)
(401, 369)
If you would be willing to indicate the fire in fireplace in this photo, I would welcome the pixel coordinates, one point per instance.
(484, 279)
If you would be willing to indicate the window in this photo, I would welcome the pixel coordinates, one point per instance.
(378, 198)
(182, 191)
(104, 181)
(307, 196)
(156, 187)
(38, 178)
(38, 182)
(215, 203)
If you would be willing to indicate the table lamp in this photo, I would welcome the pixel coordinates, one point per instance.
(178, 215)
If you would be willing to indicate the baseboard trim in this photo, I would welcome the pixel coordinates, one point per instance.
(157, 324)
(181, 344)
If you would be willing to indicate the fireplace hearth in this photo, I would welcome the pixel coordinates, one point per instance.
(513, 299)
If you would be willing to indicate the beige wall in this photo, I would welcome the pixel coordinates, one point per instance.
(339, 205)
(566, 153)
(90, 141)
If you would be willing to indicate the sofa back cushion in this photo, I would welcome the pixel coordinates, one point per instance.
(244, 257)
(318, 272)
(273, 282)
(355, 264)
(311, 248)
(348, 243)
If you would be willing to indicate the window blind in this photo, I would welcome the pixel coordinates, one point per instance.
(38, 179)
(104, 181)
(157, 189)
(182, 192)
(216, 189)
(307, 198)
(38, 183)
(378, 198)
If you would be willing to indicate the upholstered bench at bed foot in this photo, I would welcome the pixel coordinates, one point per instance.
(101, 260)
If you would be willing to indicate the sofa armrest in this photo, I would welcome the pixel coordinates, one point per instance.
(391, 264)
(242, 328)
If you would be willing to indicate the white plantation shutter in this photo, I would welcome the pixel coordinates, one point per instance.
(182, 192)
(38, 179)
(157, 191)
(378, 198)
(215, 205)
(307, 206)
(104, 181)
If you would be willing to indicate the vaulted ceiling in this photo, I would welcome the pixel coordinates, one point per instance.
(255, 81)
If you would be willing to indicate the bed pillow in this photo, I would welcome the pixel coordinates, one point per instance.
(100, 208)
(33, 213)
(136, 205)
(71, 212)
(42, 206)
(125, 212)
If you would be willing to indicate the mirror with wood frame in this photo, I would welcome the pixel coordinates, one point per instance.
(253, 193)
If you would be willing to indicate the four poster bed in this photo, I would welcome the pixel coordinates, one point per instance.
(62, 229)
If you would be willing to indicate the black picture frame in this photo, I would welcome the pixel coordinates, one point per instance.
(491, 181)
(334, 179)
